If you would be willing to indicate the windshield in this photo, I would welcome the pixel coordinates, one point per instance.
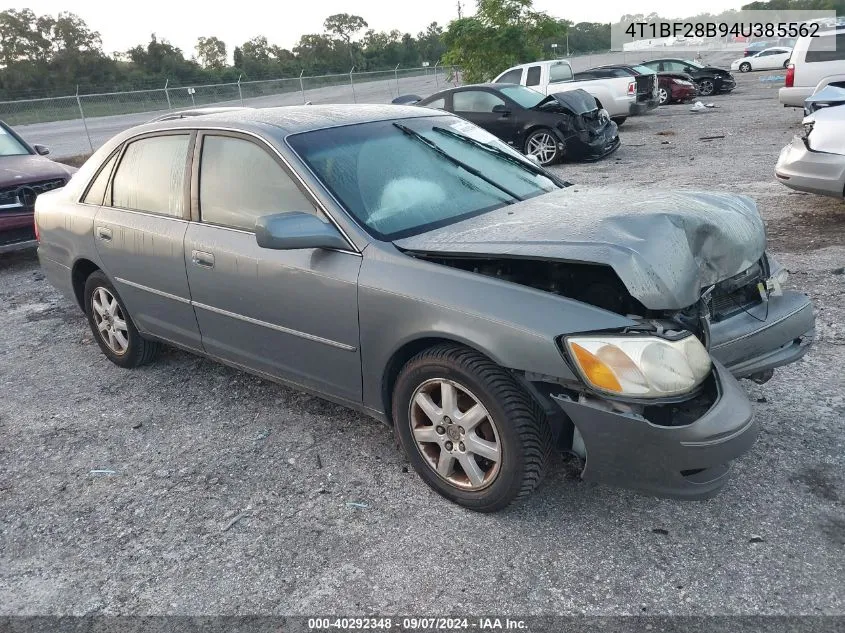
(526, 97)
(693, 63)
(401, 178)
(643, 70)
(9, 145)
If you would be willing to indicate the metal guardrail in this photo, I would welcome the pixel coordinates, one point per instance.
(76, 124)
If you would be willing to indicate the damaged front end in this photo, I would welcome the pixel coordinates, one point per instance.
(586, 129)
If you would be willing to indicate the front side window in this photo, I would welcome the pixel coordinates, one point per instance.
(475, 101)
(511, 77)
(240, 182)
(9, 145)
(436, 171)
(151, 175)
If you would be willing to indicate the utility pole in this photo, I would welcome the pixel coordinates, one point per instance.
(460, 15)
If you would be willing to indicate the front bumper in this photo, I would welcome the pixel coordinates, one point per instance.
(605, 142)
(768, 335)
(802, 169)
(684, 462)
(727, 85)
(682, 93)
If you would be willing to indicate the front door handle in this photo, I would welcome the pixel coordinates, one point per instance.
(104, 233)
(201, 258)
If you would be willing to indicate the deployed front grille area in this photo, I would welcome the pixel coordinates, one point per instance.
(21, 197)
(737, 293)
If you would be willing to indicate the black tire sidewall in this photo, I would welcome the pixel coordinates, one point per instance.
(744, 67)
(508, 481)
(558, 153)
(131, 358)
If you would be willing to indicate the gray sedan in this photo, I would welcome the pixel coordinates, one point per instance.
(405, 263)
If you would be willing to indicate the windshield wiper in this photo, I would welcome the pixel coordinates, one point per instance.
(534, 169)
(455, 161)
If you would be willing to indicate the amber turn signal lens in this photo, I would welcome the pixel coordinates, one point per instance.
(599, 374)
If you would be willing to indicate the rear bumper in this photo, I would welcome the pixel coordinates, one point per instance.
(801, 169)
(685, 462)
(640, 108)
(794, 97)
(768, 335)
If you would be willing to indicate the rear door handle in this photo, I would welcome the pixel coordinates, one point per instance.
(104, 233)
(201, 258)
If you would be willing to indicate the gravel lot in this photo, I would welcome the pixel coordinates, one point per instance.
(186, 487)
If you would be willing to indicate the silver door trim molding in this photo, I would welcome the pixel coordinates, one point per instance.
(160, 293)
(278, 328)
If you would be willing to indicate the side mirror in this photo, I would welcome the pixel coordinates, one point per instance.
(295, 230)
(501, 109)
(41, 150)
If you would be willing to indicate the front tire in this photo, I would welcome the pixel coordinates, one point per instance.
(744, 67)
(706, 87)
(112, 326)
(469, 429)
(663, 93)
(545, 146)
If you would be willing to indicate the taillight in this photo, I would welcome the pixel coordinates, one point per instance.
(632, 88)
(37, 234)
(790, 76)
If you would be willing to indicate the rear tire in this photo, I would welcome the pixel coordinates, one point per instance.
(619, 120)
(452, 406)
(112, 326)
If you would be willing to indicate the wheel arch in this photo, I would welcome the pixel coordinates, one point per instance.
(81, 270)
(405, 352)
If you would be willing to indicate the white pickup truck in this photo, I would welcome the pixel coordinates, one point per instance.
(620, 96)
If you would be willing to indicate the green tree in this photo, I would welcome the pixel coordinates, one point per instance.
(211, 52)
(24, 36)
(502, 33)
(344, 26)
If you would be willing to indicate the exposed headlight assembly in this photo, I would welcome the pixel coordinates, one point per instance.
(639, 366)
(808, 127)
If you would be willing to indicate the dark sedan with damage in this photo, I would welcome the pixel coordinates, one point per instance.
(398, 261)
(708, 79)
(568, 125)
(24, 174)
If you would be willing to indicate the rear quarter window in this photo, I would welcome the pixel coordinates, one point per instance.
(817, 52)
(511, 77)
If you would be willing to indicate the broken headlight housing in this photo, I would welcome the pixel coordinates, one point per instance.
(808, 127)
(639, 366)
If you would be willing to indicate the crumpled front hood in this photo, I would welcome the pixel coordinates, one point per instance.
(665, 246)
(578, 101)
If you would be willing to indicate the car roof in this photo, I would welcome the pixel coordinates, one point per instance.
(296, 119)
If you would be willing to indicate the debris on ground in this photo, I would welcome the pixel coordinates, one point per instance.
(756, 539)
(710, 138)
(357, 504)
(666, 133)
(241, 515)
(102, 471)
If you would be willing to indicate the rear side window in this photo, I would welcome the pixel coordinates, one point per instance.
(437, 104)
(97, 190)
(816, 54)
(240, 182)
(511, 77)
(559, 72)
(533, 76)
(151, 176)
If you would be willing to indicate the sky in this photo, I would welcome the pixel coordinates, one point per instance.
(282, 22)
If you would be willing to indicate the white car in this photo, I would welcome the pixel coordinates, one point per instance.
(815, 161)
(815, 63)
(766, 59)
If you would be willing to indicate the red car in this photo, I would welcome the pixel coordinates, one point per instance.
(24, 173)
(675, 87)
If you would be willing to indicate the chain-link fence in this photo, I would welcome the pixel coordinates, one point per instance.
(78, 124)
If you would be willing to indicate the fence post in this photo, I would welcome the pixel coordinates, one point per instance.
(436, 82)
(301, 86)
(352, 83)
(84, 122)
(167, 94)
(396, 74)
(240, 94)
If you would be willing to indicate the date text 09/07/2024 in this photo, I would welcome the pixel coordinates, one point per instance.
(481, 624)
(638, 30)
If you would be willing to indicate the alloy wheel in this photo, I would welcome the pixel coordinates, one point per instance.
(664, 96)
(705, 87)
(455, 434)
(744, 67)
(110, 321)
(542, 145)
